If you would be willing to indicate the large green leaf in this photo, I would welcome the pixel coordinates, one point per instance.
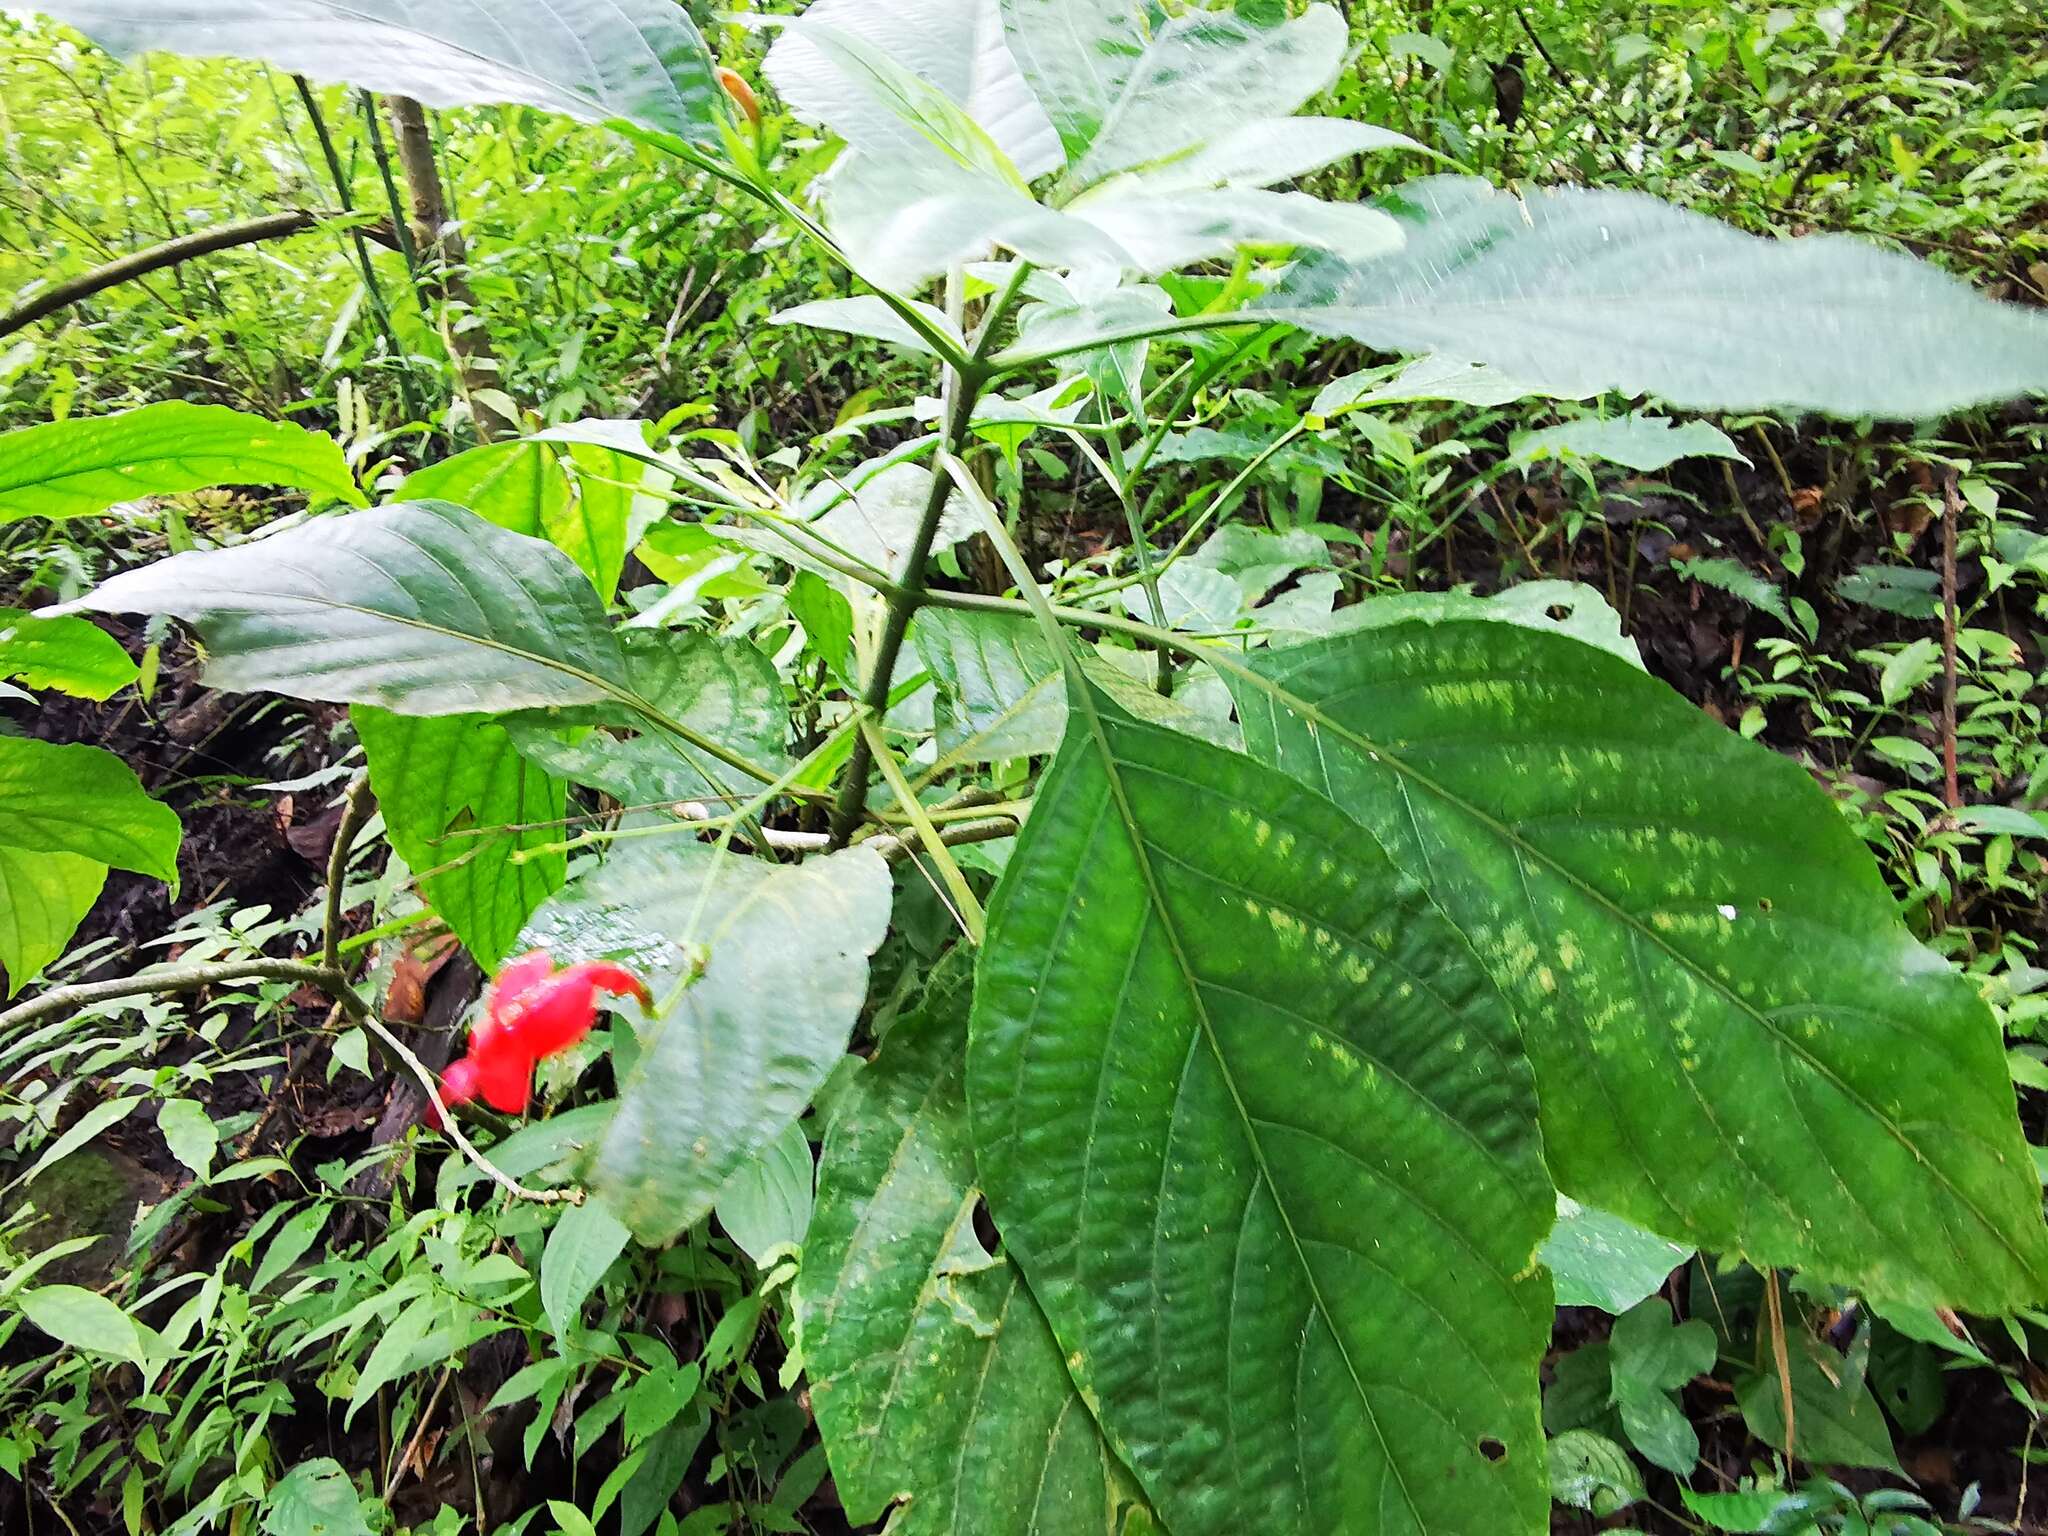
(1585, 291)
(725, 688)
(640, 60)
(468, 813)
(423, 608)
(66, 813)
(78, 468)
(1257, 1128)
(1076, 55)
(70, 654)
(933, 1375)
(1736, 1041)
(784, 950)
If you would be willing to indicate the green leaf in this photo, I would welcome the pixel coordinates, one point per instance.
(470, 815)
(581, 1246)
(1551, 607)
(752, 1038)
(868, 316)
(315, 1498)
(1076, 55)
(79, 468)
(1599, 1260)
(596, 60)
(1426, 378)
(82, 1319)
(934, 1378)
(1262, 1101)
(1588, 291)
(1834, 1423)
(70, 654)
(67, 812)
(1700, 950)
(766, 1204)
(1649, 1359)
(1591, 1472)
(1729, 575)
(422, 608)
(724, 688)
(1638, 442)
(95, 1120)
(190, 1134)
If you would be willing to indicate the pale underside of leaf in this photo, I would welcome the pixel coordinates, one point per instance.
(1258, 1130)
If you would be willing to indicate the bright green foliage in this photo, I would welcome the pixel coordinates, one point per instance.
(471, 816)
(422, 608)
(315, 1498)
(78, 468)
(75, 1316)
(933, 1374)
(583, 1245)
(1587, 291)
(66, 813)
(641, 60)
(1701, 955)
(1241, 1117)
(787, 942)
(766, 1204)
(71, 655)
(1599, 1260)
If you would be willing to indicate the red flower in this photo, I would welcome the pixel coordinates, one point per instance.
(533, 1011)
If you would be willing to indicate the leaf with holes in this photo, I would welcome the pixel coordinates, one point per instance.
(640, 60)
(1702, 955)
(1259, 1132)
(933, 1375)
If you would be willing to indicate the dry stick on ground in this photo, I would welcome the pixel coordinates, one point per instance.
(155, 258)
(439, 242)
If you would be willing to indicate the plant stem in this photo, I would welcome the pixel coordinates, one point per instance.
(965, 905)
(190, 978)
(407, 245)
(356, 803)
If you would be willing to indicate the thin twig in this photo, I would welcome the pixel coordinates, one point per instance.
(356, 804)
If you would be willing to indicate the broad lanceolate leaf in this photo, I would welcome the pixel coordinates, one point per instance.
(1588, 291)
(640, 60)
(784, 949)
(1077, 56)
(933, 1374)
(1259, 1132)
(86, 803)
(43, 899)
(422, 608)
(580, 1248)
(70, 654)
(459, 802)
(78, 468)
(1736, 1041)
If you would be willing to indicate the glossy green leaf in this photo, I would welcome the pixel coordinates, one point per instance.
(79, 468)
(580, 1248)
(766, 1204)
(934, 1377)
(69, 654)
(66, 812)
(1258, 1130)
(422, 608)
(1599, 1260)
(1701, 952)
(725, 688)
(1638, 442)
(1588, 291)
(640, 60)
(82, 1319)
(784, 951)
(470, 815)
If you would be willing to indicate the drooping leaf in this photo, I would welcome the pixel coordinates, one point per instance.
(933, 1375)
(1600, 1260)
(1550, 607)
(82, 1319)
(1258, 1131)
(469, 814)
(69, 654)
(725, 688)
(1701, 953)
(767, 1202)
(596, 60)
(1586, 291)
(580, 1248)
(190, 1134)
(1730, 575)
(784, 952)
(868, 316)
(1638, 442)
(1076, 56)
(79, 468)
(421, 608)
(67, 812)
